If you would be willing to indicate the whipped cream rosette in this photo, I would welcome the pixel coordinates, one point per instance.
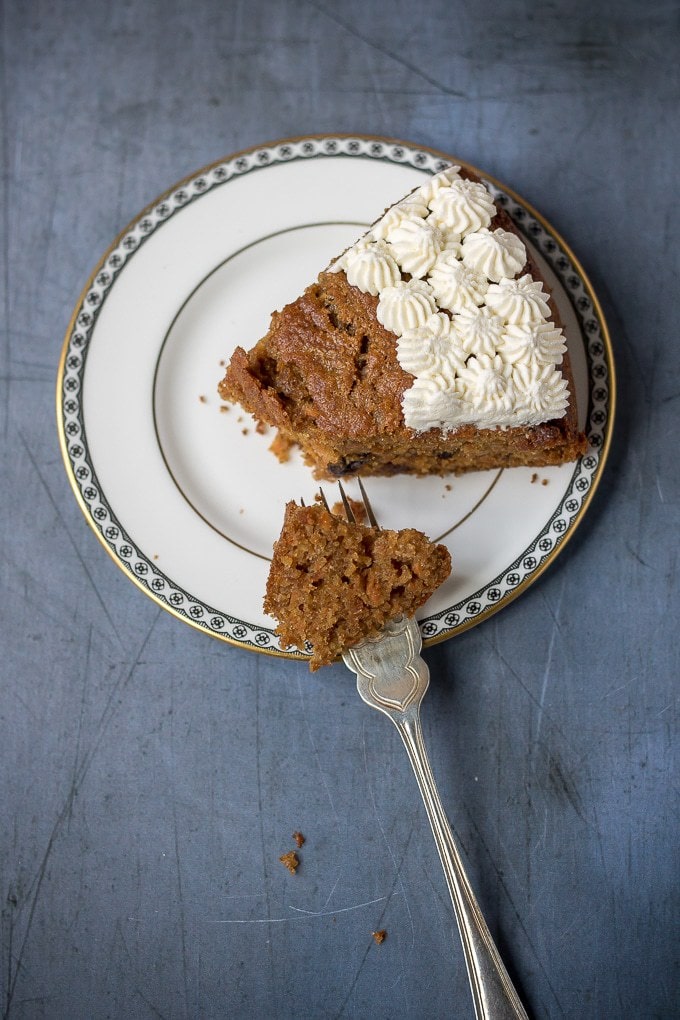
(463, 206)
(415, 244)
(495, 253)
(406, 305)
(479, 331)
(372, 268)
(455, 286)
(519, 301)
(432, 350)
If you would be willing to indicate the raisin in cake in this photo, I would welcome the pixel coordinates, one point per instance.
(430, 346)
(333, 583)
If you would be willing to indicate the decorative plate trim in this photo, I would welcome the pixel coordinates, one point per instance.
(146, 574)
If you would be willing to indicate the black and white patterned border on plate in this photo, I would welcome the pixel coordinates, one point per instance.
(144, 570)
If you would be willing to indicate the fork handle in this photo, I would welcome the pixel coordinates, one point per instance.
(493, 993)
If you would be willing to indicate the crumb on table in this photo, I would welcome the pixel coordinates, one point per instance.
(379, 936)
(291, 861)
(299, 838)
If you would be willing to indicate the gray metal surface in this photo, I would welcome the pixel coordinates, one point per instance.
(150, 777)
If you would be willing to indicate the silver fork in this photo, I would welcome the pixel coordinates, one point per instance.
(392, 677)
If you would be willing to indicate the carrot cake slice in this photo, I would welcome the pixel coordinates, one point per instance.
(430, 346)
(333, 583)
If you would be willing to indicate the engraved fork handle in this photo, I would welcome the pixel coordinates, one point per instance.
(392, 677)
(492, 990)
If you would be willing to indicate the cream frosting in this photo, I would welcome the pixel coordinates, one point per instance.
(473, 333)
(434, 184)
(431, 403)
(406, 305)
(464, 206)
(519, 301)
(412, 207)
(415, 244)
(432, 350)
(479, 331)
(343, 260)
(372, 268)
(455, 286)
(489, 386)
(536, 342)
(542, 393)
(495, 253)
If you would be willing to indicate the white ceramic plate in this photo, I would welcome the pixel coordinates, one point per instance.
(187, 499)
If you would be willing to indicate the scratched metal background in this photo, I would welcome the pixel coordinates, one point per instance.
(151, 777)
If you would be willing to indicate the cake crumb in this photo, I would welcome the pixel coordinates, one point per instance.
(224, 409)
(262, 428)
(544, 481)
(447, 487)
(222, 363)
(379, 936)
(356, 506)
(239, 419)
(299, 839)
(534, 478)
(291, 861)
(244, 432)
(281, 447)
(155, 556)
(203, 399)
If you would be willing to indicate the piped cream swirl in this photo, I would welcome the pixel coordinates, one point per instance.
(432, 350)
(519, 301)
(415, 244)
(410, 208)
(372, 268)
(479, 331)
(464, 206)
(455, 286)
(536, 342)
(542, 393)
(406, 305)
(495, 253)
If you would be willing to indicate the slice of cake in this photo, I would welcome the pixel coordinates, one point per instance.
(333, 583)
(430, 346)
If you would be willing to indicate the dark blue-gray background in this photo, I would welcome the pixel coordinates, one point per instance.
(151, 776)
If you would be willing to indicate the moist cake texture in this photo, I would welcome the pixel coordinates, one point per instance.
(333, 583)
(430, 346)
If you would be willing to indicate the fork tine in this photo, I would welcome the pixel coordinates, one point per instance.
(367, 506)
(349, 513)
(323, 499)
